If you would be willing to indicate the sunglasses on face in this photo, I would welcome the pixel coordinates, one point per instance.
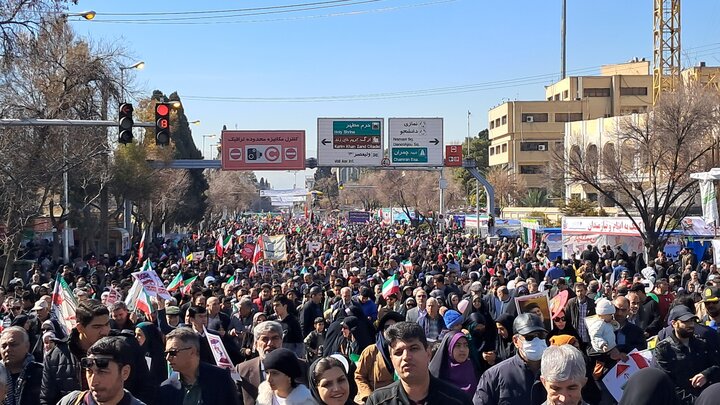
(99, 362)
(531, 336)
(559, 319)
(174, 352)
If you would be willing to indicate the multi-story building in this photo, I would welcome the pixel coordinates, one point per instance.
(527, 136)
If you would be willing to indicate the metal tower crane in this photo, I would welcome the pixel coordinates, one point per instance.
(666, 49)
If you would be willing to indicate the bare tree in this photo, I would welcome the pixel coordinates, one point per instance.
(20, 17)
(230, 191)
(509, 189)
(645, 170)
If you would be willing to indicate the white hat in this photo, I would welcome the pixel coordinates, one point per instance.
(40, 304)
(604, 307)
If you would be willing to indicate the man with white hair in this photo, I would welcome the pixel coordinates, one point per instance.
(562, 373)
(268, 337)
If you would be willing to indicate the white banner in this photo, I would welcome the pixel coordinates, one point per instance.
(708, 197)
(275, 247)
(284, 193)
(616, 379)
(222, 358)
(716, 250)
(152, 284)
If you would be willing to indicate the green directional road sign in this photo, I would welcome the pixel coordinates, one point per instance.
(409, 155)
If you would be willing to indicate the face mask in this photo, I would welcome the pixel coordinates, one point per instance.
(534, 349)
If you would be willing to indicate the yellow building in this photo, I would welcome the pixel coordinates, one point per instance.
(526, 135)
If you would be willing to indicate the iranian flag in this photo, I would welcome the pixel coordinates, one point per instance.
(228, 242)
(141, 248)
(232, 280)
(176, 282)
(219, 247)
(187, 285)
(64, 305)
(146, 266)
(390, 286)
(259, 252)
(138, 299)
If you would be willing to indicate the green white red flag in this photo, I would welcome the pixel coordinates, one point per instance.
(64, 305)
(176, 282)
(391, 286)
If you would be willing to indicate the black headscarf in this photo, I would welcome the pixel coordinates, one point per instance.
(650, 386)
(380, 341)
(504, 348)
(709, 396)
(348, 373)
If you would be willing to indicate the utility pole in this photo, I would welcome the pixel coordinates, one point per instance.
(563, 41)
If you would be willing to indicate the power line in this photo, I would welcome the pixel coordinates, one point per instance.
(237, 10)
(194, 19)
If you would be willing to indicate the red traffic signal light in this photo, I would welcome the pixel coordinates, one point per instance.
(162, 124)
(125, 123)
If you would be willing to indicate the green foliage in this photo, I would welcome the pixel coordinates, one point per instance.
(478, 151)
(575, 207)
(535, 197)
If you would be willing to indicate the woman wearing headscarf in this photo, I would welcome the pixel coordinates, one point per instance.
(453, 363)
(504, 347)
(374, 368)
(153, 345)
(650, 386)
(282, 369)
(561, 326)
(329, 382)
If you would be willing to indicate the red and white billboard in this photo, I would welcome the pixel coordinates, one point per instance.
(263, 150)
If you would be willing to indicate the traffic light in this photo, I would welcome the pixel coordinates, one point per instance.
(162, 124)
(125, 124)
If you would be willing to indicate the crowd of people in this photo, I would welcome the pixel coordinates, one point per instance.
(361, 314)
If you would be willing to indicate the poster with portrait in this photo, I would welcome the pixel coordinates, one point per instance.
(537, 304)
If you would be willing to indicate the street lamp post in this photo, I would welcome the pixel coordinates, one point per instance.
(212, 146)
(137, 65)
(206, 136)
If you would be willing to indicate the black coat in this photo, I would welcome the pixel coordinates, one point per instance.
(29, 388)
(62, 373)
(682, 362)
(439, 392)
(215, 383)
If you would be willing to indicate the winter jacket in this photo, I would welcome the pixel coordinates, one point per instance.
(507, 383)
(28, 389)
(215, 383)
(682, 362)
(300, 395)
(62, 373)
(372, 373)
(439, 392)
(73, 397)
(602, 334)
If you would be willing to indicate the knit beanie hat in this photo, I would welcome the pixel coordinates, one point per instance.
(604, 307)
(559, 340)
(284, 361)
(452, 318)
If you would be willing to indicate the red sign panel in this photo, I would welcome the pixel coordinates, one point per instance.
(263, 150)
(453, 155)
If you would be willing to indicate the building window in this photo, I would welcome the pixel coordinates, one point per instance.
(633, 110)
(596, 92)
(568, 117)
(535, 117)
(492, 150)
(592, 197)
(533, 146)
(532, 169)
(504, 148)
(633, 91)
(566, 93)
(504, 119)
(557, 97)
(497, 122)
(492, 124)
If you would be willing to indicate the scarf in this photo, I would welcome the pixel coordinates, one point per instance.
(15, 387)
(461, 375)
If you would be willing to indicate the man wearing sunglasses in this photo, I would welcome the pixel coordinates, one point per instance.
(511, 381)
(199, 382)
(106, 368)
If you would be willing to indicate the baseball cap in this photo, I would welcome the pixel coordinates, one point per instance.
(172, 310)
(681, 313)
(711, 294)
(528, 323)
(40, 304)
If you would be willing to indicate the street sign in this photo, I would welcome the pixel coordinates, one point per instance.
(416, 141)
(263, 150)
(350, 141)
(453, 155)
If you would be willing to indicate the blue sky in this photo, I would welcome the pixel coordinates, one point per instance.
(489, 51)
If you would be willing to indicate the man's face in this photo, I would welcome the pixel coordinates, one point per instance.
(684, 329)
(421, 298)
(279, 309)
(712, 308)
(563, 392)
(433, 308)
(581, 292)
(173, 320)
(276, 291)
(213, 306)
(265, 294)
(200, 320)
(99, 327)
(622, 309)
(106, 383)
(120, 315)
(13, 349)
(267, 342)
(182, 361)
(410, 359)
(346, 294)
(634, 299)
